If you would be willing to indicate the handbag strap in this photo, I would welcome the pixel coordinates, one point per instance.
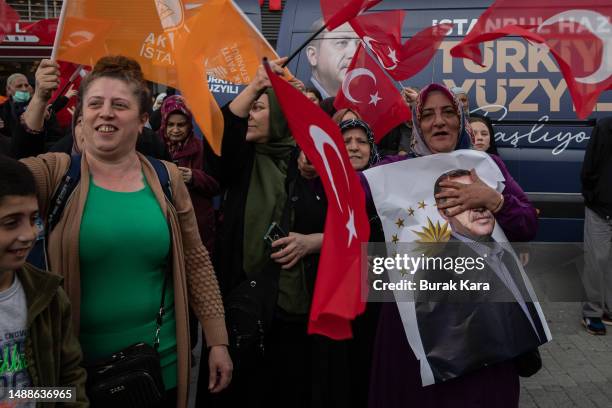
(162, 311)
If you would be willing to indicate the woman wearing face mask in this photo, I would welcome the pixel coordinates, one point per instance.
(186, 151)
(439, 127)
(120, 241)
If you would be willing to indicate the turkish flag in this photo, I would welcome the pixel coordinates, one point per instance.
(70, 74)
(382, 34)
(576, 32)
(337, 295)
(338, 12)
(367, 90)
(43, 29)
(419, 50)
(8, 18)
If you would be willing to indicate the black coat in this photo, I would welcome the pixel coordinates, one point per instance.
(596, 173)
(233, 171)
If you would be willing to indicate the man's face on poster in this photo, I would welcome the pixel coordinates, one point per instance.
(474, 223)
(330, 56)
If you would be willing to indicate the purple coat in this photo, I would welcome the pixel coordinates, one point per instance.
(395, 379)
(202, 189)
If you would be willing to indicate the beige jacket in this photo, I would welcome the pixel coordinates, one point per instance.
(195, 283)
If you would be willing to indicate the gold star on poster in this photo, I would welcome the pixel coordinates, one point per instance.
(410, 211)
(395, 239)
(399, 222)
(422, 205)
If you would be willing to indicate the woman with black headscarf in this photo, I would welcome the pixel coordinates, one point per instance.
(262, 188)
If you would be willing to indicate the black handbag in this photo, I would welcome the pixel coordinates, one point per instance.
(132, 377)
(527, 364)
(249, 310)
(250, 306)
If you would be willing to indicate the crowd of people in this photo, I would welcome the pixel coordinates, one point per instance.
(130, 234)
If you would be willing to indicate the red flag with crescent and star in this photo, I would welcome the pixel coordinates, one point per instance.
(367, 90)
(382, 34)
(578, 33)
(337, 12)
(337, 296)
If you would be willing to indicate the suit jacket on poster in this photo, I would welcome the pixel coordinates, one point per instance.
(463, 330)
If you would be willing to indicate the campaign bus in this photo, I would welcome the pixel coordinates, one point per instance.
(520, 88)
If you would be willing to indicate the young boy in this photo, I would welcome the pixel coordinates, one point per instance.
(37, 345)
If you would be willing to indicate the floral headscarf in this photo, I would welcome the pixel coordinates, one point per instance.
(419, 147)
(360, 124)
(175, 104)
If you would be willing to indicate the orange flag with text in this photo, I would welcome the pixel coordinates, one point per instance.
(176, 42)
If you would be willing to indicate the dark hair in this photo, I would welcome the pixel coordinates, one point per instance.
(315, 92)
(125, 69)
(327, 105)
(449, 175)
(487, 122)
(15, 179)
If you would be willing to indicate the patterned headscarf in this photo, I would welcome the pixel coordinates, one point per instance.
(360, 124)
(175, 104)
(419, 147)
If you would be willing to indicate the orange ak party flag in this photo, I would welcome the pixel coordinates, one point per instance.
(176, 42)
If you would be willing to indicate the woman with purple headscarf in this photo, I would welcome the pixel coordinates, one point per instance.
(440, 126)
(186, 151)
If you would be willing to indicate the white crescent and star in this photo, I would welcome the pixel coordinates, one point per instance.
(321, 138)
(356, 73)
(603, 72)
(392, 53)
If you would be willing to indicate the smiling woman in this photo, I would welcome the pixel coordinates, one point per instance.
(471, 208)
(359, 142)
(119, 238)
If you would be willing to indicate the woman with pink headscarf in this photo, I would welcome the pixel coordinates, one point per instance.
(186, 151)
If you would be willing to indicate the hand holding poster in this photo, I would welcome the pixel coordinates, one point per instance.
(453, 331)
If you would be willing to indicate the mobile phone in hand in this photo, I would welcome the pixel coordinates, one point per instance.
(275, 232)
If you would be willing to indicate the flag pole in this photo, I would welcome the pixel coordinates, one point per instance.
(70, 82)
(59, 31)
(301, 47)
